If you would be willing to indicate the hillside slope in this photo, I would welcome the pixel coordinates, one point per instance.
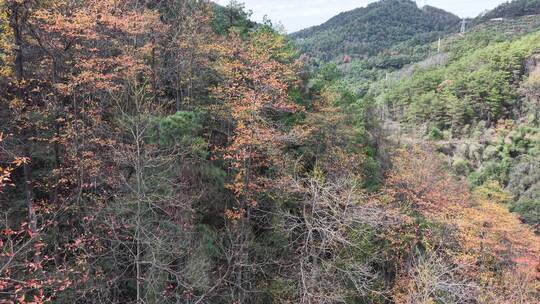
(375, 28)
(516, 8)
(480, 107)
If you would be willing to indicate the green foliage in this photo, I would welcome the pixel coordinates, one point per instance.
(435, 134)
(512, 161)
(359, 116)
(524, 140)
(326, 76)
(180, 129)
(232, 17)
(513, 9)
(281, 289)
(529, 210)
(461, 167)
(266, 38)
(375, 28)
(209, 241)
(489, 171)
(524, 184)
(481, 86)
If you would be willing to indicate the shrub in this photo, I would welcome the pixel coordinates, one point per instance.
(489, 171)
(435, 134)
(529, 210)
(493, 192)
(461, 167)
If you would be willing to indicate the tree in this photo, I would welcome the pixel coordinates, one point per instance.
(150, 221)
(424, 185)
(185, 53)
(6, 40)
(256, 77)
(329, 231)
(68, 57)
(232, 17)
(494, 254)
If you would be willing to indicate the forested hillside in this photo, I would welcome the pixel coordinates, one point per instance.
(177, 152)
(481, 104)
(378, 27)
(512, 9)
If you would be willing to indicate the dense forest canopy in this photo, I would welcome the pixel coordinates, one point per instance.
(375, 28)
(175, 151)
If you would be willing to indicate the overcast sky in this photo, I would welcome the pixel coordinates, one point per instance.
(299, 14)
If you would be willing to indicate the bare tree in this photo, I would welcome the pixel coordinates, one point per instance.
(147, 227)
(434, 280)
(329, 262)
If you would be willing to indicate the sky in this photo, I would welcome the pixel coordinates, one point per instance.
(295, 15)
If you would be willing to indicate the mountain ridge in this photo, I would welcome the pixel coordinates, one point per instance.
(377, 27)
(512, 9)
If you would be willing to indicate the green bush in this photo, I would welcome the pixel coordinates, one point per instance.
(461, 167)
(529, 211)
(182, 130)
(435, 134)
(490, 171)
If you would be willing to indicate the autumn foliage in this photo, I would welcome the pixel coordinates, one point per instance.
(176, 152)
(490, 256)
(258, 74)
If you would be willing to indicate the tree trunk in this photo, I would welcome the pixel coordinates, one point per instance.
(16, 20)
(29, 193)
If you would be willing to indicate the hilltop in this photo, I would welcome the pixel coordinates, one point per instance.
(513, 9)
(370, 30)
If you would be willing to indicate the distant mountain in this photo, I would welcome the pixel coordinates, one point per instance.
(516, 8)
(375, 28)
